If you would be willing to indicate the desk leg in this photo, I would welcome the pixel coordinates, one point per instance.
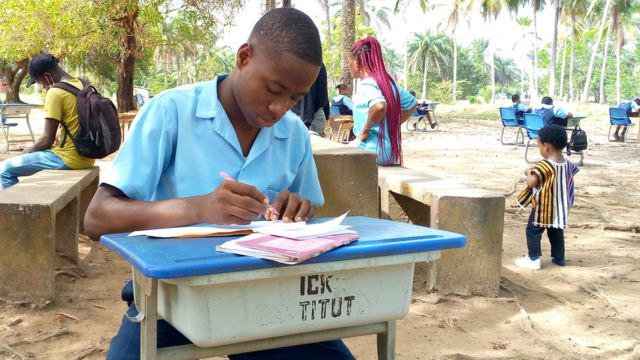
(149, 325)
(33, 139)
(387, 342)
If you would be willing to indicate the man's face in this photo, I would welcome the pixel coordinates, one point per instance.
(268, 87)
(45, 80)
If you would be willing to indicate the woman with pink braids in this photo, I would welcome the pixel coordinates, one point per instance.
(380, 106)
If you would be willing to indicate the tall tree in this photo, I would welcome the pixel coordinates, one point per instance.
(536, 7)
(623, 18)
(327, 18)
(594, 52)
(491, 9)
(25, 32)
(603, 68)
(459, 9)
(348, 37)
(402, 6)
(554, 47)
(425, 48)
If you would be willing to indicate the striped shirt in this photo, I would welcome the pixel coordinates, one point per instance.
(553, 197)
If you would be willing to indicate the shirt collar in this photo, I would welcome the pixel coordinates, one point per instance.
(545, 106)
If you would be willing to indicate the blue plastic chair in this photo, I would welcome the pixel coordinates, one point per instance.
(5, 129)
(509, 120)
(533, 123)
(618, 117)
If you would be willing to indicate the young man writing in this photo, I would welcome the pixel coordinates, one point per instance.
(168, 172)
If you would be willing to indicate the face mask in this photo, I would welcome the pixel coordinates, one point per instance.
(48, 80)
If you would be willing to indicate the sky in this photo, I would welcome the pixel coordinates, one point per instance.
(503, 32)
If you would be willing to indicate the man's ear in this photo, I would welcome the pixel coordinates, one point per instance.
(243, 55)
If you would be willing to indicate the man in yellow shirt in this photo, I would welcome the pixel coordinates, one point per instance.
(59, 107)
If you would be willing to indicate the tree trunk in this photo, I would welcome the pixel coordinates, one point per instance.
(603, 71)
(521, 81)
(405, 76)
(619, 40)
(127, 61)
(327, 18)
(493, 74)
(13, 75)
(269, 5)
(535, 54)
(454, 91)
(572, 58)
(562, 67)
(348, 37)
(424, 75)
(594, 51)
(552, 80)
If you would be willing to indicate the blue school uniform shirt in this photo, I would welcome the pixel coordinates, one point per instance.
(628, 106)
(342, 100)
(519, 107)
(182, 139)
(369, 94)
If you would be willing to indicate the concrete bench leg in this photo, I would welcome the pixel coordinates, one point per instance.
(27, 240)
(67, 230)
(474, 269)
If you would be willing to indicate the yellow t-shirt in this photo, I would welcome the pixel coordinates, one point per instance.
(60, 105)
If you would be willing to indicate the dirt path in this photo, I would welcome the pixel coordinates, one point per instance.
(585, 310)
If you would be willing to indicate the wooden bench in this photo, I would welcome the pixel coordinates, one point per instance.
(422, 199)
(39, 216)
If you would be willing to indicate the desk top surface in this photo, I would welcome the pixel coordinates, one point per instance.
(177, 258)
(26, 106)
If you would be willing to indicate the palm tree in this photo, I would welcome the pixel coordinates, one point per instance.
(525, 23)
(458, 10)
(379, 15)
(576, 9)
(348, 37)
(554, 47)
(622, 13)
(604, 66)
(400, 4)
(536, 6)
(491, 9)
(392, 61)
(594, 51)
(506, 71)
(428, 47)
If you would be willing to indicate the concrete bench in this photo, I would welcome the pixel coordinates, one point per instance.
(39, 217)
(416, 197)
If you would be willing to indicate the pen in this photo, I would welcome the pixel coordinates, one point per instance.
(229, 178)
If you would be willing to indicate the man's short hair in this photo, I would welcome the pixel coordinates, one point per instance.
(288, 30)
(555, 135)
(342, 86)
(547, 100)
(515, 97)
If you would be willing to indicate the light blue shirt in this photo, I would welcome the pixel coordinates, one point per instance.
(520, 107)
(557, 111)
(182, 139)
(346, 101)
(369, 94)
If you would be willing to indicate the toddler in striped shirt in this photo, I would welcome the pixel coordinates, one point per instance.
(550, 191)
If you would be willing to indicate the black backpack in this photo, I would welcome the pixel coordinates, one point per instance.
(578, 141)
(99, 132)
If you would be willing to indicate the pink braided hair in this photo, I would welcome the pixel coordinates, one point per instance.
(369, 54)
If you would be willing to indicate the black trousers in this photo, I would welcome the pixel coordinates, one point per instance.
(534, 236)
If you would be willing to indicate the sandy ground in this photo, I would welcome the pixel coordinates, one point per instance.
(585, 310)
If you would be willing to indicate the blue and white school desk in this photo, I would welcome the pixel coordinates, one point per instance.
(228, 304)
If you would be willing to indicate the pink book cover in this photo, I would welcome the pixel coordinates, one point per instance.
(300, 250)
